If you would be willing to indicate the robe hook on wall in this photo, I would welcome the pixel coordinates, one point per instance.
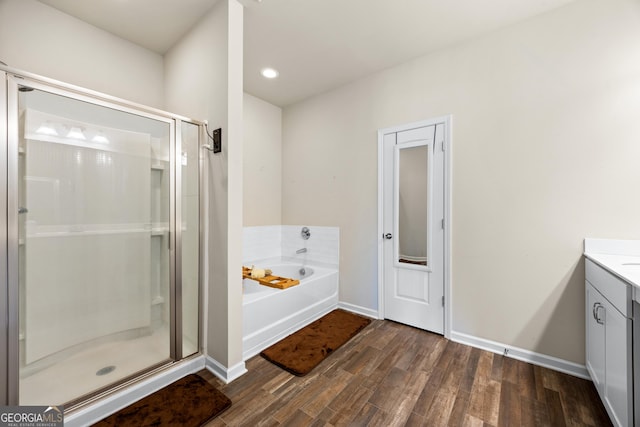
(216, 139)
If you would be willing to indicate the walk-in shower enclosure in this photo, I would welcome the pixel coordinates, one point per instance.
(100, 258)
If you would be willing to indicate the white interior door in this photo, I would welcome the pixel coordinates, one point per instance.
(413, 221)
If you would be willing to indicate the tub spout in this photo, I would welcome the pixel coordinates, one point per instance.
(301, 251)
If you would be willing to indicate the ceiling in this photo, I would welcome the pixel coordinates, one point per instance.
(316, 45)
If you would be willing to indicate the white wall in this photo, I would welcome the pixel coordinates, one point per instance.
(545, 153)
(262, 162)
(203, 79)
(39, 39)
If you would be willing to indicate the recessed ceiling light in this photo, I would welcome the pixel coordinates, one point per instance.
(269, 73)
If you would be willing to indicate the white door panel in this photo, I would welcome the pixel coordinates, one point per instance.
(425, 133)
(411, 285)
(413, 241)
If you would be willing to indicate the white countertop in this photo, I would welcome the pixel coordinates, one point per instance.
(619, 257)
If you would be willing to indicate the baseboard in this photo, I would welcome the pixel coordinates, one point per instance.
(367, 312)
(532, 357)
(222, 372)
(94, 412)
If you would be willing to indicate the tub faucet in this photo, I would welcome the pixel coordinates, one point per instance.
(301, 251)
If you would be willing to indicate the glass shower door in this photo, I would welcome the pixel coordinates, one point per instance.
(95, 257)
(190, 236)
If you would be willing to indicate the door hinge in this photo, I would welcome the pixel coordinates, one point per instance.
(443, 145)
(443, 300)
(442, 223)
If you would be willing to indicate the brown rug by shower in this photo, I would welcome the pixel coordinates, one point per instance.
(303, 350)
(190, 401)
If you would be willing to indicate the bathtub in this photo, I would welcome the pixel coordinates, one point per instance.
(271, 314)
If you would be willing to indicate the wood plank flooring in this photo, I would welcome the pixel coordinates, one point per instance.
(394, 375)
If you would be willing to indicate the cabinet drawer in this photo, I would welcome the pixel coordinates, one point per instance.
(617, 291)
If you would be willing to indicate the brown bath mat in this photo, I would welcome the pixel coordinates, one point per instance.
(190, 401)
(303, 350)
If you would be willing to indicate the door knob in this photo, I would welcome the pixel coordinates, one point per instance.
(388, 236)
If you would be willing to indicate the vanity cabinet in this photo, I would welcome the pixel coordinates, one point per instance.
(609, 342)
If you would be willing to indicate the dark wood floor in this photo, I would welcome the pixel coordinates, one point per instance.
(394, 375)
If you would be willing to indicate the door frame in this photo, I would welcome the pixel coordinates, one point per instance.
(447, 122)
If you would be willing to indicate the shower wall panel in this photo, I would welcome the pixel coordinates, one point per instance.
(88, 237)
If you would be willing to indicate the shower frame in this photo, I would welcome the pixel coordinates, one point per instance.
(12, 80)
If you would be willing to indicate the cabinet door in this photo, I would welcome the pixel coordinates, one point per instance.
(618, 390)
(595, 339)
